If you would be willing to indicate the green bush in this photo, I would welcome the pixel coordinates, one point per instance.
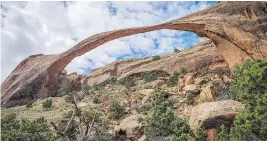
(29, 104)
(249, 86)
(250, 82)
(223, 134)
(174, 79)
(86, 88)
(25, 130)
(155, 58)
(127, 82)
(162, 122)
(116, 110)
(47, 103)
(96, 100)
(176, 50)
(66, 89)
(148, 76)
(190, 98)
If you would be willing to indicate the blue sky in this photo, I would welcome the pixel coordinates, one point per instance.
(52, 27)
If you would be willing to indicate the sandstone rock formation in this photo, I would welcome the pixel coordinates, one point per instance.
(212, 114)
(238, 30)
(130, 127)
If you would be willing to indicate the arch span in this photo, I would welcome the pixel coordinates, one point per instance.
(237, 36)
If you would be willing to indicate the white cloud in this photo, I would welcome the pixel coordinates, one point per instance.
(52, 27)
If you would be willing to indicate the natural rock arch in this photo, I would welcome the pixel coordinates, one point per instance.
(237, 28)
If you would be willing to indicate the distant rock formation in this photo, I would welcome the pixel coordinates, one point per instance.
(203, 55)
(238, 29)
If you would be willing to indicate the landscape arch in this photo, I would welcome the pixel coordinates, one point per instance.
(232, 26)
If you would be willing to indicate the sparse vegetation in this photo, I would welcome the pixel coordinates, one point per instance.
(66, 89)
(86, 88)
(148, 76)
(155, 58)
(174, 79)
(116, 110)
(127, 82)
(190, 98)
(96, 100)
(95, 125)
(47, 104)
(29, 104)
(222, 91)
(176, 50)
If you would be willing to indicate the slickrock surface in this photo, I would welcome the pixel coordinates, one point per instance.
(238, 29)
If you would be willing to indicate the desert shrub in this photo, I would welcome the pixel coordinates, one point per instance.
(222, 91)
(174, 79)
(68, 98)
(176, 50)
(127, 82)
(148, 76)
(249, 86)
(162, 122)
(116, 110)
(29, 104)
(190, 98)
(96, 100)
(47, 103)
(155, 58)
(66, 89)
(201, 135)
(223, 134)
(25, 130)
(144, 108)
(86, 88)
(98, 87)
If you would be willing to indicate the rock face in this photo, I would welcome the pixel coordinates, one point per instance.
(207, 94)
(212, 114)
(238, 30)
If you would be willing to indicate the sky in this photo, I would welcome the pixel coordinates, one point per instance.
(29, 28)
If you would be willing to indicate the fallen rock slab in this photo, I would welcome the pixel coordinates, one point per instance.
(212, 114)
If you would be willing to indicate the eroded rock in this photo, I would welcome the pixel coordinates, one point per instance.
(212, 114)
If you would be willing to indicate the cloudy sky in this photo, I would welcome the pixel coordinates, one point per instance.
(29, 28)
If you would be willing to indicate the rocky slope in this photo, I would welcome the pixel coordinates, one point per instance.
(238, 30)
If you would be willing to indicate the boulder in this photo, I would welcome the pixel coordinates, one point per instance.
(207, 94)
(192, 88)
(130, 126)
(212, 114)
(189, 79)
(199, 81)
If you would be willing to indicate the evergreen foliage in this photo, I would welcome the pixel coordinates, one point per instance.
(155, 58)
(24, 130)
(223, 134)
(250, 87)
(47, 103)
(162, 122)
(174, 79)
(116, 110)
